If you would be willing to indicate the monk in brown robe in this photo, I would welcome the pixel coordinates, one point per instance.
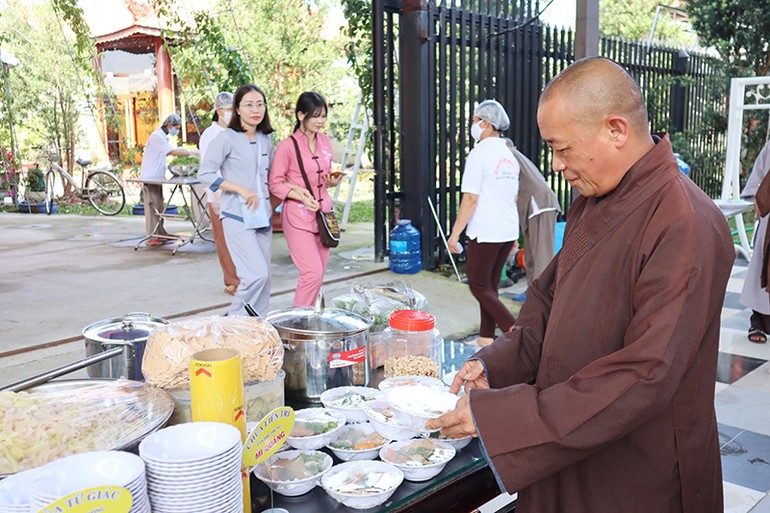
(601, 399)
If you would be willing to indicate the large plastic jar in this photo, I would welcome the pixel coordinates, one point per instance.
(405, 255)
(413, 345)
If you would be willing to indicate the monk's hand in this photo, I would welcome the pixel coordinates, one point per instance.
(471, 375)
(457, 423)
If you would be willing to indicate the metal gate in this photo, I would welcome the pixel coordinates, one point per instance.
(435, 60)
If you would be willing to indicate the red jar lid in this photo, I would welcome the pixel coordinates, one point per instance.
(412, 320)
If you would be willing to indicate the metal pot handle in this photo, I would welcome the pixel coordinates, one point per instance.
(136, 314)
(320, 304)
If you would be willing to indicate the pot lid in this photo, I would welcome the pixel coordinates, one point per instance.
(331, 321)
(132, 327)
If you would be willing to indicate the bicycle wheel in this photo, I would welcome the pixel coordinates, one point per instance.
(50, 181)
(105, 193)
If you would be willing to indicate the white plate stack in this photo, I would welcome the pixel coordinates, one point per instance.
(14, 492)
(194, 468)
(65, 476)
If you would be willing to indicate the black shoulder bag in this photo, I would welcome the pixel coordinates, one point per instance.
(328, 227)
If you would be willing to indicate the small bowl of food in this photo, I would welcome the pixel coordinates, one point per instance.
(357, 442)
(384, 421)
(417, 403)
(292, 472)
(349, 401)
(419, 460)
(457, 443)
(410, 381)
(314, 428)
(362, 484)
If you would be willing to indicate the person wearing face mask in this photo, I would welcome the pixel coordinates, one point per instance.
(153, 168)
(223, 105)
(488, 210)
(237, 162)
(300, 205)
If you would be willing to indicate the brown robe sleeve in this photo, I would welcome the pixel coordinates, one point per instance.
(532, 431)
(762, 200)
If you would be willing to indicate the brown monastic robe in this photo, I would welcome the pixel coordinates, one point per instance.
(602, 397)
(762, 199)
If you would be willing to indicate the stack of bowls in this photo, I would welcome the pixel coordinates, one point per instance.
(194, 467)
(65, 476)
(14, 492)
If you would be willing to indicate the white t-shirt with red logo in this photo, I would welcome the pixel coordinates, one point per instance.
(492, 172)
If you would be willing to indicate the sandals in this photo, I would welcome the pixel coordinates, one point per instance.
(154, 243)
(757, 336)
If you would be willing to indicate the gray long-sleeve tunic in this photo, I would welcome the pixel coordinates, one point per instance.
(242, 162)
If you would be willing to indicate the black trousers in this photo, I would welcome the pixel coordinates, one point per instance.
(485, 263)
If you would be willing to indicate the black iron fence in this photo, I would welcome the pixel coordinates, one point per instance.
(434, 61)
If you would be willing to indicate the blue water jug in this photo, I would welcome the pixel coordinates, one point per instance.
(405, 255)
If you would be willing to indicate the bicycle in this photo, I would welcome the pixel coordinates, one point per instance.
(102, 189)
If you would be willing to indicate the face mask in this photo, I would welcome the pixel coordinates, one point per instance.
(173, 131)
(476, 131)
(227, 116)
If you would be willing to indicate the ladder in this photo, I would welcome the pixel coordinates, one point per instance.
(359, 123)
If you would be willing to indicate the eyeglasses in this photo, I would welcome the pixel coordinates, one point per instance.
(253, 106)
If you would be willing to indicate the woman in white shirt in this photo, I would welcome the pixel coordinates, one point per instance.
(488, 209)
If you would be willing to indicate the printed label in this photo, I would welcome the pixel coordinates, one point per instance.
(399, 246)
(347, 358)
(268, 436)
(102, 499)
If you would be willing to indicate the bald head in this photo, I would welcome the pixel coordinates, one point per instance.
(597, 87)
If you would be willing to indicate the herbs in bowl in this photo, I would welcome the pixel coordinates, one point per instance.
(293, 473)
(357, 442)
(350, 400)
(184, 166)
(419, 460)
(314, 428)
(457, 443)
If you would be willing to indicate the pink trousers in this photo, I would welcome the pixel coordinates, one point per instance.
(310, 257)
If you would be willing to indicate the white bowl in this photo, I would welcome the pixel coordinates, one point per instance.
(402, 381)
(314, 442)
(15, 489)
(86, 470)
(383, 478)
(417, 403)
(354, 433)
(349, 401)
(292, 487)
(384, 421)
(457, 443)
(414, 468)
(187, 443)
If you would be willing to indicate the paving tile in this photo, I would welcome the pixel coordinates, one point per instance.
(737, 321)
(739, 499)
(758, 379)
(735, 284)
(736, 341)
(762, 506)
(746, 459)
(732, 299)
(744, 408)
(732, 367)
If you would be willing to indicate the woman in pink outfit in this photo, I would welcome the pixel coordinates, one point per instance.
(300, 205)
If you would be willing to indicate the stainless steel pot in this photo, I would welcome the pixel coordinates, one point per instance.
(129, 332)
(324, 348)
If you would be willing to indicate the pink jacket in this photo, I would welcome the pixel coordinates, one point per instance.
(285, 171)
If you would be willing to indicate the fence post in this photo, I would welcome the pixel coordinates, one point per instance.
(678, 92)
(416, 122)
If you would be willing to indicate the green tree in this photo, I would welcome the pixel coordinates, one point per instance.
(740, 31)
(633, 20)
(46, 88)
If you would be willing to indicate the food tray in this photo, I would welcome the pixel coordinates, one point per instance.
(148, 406)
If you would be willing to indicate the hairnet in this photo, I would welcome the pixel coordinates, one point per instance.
(172, 119)
(223, 100)
(494, 113)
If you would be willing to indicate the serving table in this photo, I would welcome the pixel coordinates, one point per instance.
(465, 483)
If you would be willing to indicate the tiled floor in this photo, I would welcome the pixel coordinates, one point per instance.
(743, 406)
